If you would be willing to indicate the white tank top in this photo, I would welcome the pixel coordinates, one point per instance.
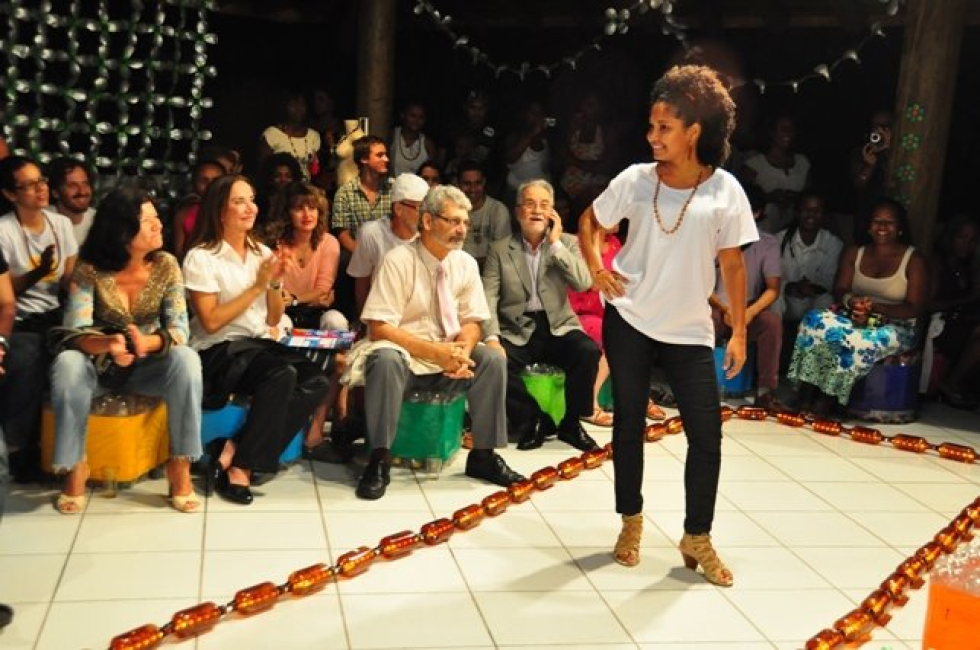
(406, 159)
(531, 165)
(888, 291)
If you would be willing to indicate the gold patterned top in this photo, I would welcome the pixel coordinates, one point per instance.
(94, 303)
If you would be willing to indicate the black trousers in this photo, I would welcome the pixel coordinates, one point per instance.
(690, 371)
(285, 388)
(574, 352)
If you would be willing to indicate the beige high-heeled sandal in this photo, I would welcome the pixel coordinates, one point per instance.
(697, 549)
(72, 504)
(627, 550)
(186, 503)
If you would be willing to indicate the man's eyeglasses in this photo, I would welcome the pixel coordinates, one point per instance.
(455, 222)
(543, 206)
(31, 186)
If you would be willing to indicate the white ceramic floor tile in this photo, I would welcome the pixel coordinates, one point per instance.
(814, 529)
(226, 572)
(282, 494)
(403, 493)
(729, 529)
(554, 619)
(349, 530)
(907, 468)
(447, 620)
(944, 498)
(132, 576)
(38, 535)
(266, 530)
(30, 500)
(598, 529)
(93, 623)
(741, 645)
(753, 469)
(29, 578)
(902, 529)
(313, 621)
(660, 568)
(659, 496)
(793, 443)
(853, 567)
(682, 616)
(449, 494)
(772, 496)
(822, 469)
(511, 569)
(865, 497)
(519, 528)
(426, 570)
(767, 567)
(22, 633)
(790, 615)
(146, 496)
(140, 532)
(575, 496)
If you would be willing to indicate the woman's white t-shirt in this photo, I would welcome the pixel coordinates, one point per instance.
(669, 277)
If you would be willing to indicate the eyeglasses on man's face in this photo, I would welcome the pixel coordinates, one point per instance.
(539, 206)
(454, 222)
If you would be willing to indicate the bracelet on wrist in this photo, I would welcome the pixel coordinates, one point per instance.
(275, 286)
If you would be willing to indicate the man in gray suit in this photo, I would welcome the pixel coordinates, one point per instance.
(526, 280)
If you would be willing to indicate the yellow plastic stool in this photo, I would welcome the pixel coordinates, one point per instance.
(131, 445)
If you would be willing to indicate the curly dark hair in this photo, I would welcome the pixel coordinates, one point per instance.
(280, 226)
(698, 95)
(116, 223)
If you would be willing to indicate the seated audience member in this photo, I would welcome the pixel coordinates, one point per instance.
(366, 197)
(39, 246)
(299, 230)
(423, 316)
(71, 182)
(464, 148)
(472, 135)
(410, 147)
(763, 324)
(882, 287)
(185, 214)
(227, 157)
(869, 162)
(235, 288)
(590, 309)
(589, 152)
(298, 227)
(293, 137)
(527, 278)
(275, 173)
(7, 309)
(430, 173)
(378, 237)
(956, 296)
(489, 218)
(780, 172)
(125, 330)
(809, 255)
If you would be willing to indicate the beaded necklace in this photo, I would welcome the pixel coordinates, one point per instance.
(680, 217)
(407, 150)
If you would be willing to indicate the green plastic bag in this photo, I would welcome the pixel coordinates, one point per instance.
(548, 390)
(429, 430)
(605, 398)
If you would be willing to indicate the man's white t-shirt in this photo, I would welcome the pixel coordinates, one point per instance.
(669, 277)
(374, 240)
(23, 252)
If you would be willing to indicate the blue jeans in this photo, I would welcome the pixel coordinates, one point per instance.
(690, 371)
(175, 376)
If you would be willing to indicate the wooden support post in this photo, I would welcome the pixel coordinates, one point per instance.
(923, 109)
(376, 63)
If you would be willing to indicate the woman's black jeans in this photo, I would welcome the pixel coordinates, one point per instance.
(690, 371)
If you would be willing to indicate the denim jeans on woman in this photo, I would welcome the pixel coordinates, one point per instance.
(174, 376)
(690, 371)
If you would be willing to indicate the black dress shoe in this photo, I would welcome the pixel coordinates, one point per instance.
(374, 480)
(233, 492)
(530, 435)
(576, 436)
(491, 467)
(6, 615)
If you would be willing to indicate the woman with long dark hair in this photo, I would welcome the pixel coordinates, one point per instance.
(235, 287)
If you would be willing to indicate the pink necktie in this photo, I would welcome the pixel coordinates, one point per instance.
(447, 306)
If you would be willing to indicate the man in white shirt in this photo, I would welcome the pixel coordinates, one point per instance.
(376, 238)
(72, 189)
(423, 315)
(489, 218)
